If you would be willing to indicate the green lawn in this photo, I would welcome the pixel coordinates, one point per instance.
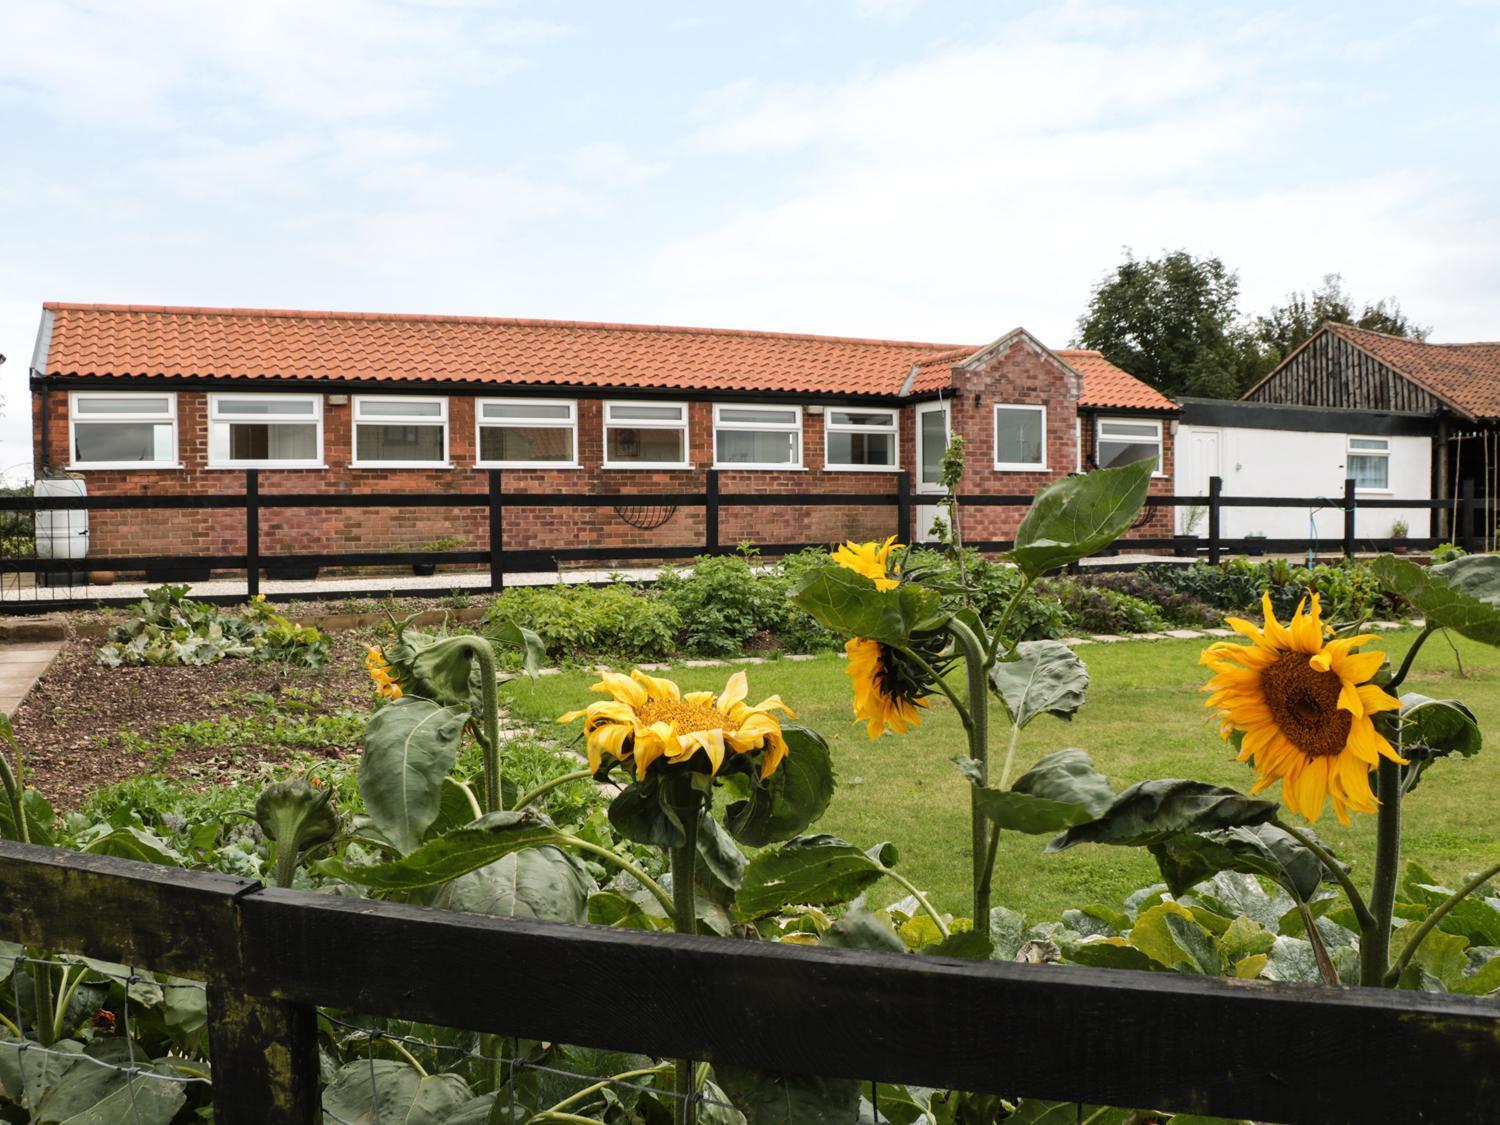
(1144, 719)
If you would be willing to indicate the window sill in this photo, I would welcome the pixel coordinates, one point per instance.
(243, 465)
(827, 468)
(1012, 468)
(400, 465)
(482, 465)
(127, 466)
(760, 468)
(648, 465)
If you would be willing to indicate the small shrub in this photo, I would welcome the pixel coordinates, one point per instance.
(1098, 609)
(576, 622)
(1447, 552)
(721, 603)
(167, 627)
(1175, 606)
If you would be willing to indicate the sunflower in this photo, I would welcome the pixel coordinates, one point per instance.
(887, 690)
(1304, 705)
(649, 718)
(870, 559)
(382, 672)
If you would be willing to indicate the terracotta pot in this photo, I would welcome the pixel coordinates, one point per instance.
(101, 578)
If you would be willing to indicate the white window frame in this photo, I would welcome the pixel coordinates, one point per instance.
(1351, 452)
(355, 421)
(940, 406)
(1161, 450)
(647, 424)
(1017, 466)
(171, 416)
(794, 428)
(215, 447)
(829, 427)
(570, 424)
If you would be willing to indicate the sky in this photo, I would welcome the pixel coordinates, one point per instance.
(906, 169)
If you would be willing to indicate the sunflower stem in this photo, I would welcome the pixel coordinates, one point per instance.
(1431, 921)
(667, 901)
(979, 751)
(685, 919)
(1375, 943)
(921, 899)
(1326, 970)
(547, 786)
(489, 701)
(1411, 655)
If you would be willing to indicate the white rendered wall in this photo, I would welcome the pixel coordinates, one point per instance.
(1297, 463)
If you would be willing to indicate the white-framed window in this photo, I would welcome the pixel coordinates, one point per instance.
(122, 430)
(275, 431)
(1020, 437)
(860, 438)
(1370, 464)
(400, 432)
(526, 433)
(1123, 441)
(757, 437)
(932, 445)
(645, 435)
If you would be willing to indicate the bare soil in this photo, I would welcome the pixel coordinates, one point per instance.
(69, 727)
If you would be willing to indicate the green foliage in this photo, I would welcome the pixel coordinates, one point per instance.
(720, 603)
(581, 622)
(1462, 595)
(1096, 609)
(167, 627)
(1072, 518)
(1281, 331)
(1042, 677)
(990, 586)
(1349, 591)
(17, 529)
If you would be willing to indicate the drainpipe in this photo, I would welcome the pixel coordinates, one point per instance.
(1440, 491)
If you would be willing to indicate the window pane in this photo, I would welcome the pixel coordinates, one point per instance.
(1377, 444)
(398, 443)
(624, 413)
(1370, 472)
(560, 411)
(934, 445)
(124, 404)
(751, 447)
(861, 449)
(1018, 437)
(1129, 430)
(122, 441)
(762, 415)
(526, 443)
(630, 444)
(861, 418)
(1112, 453)
(263, 442)
(397, 408)
(240, 407)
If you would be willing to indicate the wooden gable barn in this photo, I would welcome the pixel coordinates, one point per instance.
(1455, 386)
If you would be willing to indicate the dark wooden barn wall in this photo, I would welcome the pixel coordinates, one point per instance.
(1332, 372)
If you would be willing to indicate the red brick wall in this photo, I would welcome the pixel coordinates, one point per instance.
(1019, 375)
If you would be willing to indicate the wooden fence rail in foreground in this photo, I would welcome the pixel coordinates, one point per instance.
(1273, 1052)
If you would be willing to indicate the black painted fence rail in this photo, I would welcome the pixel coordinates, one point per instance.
(1271, 1052)
(252, 501)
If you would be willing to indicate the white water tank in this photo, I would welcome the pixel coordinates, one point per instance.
(61, 534)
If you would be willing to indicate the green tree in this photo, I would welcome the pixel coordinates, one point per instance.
(1287, 326)
(1173, 322)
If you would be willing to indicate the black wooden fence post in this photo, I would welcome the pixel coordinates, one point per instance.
(264, 1055)
(1348, 517)
(711, 512)
(903, 507)
(497, 536)
(1466, 516)
(252, 532)
(1215, 487)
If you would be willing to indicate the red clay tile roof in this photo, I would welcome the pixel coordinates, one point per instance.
(1465, 375)
(166, 342)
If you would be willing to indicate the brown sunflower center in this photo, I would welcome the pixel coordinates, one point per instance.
(1304, 704)
(898, 679)
(683, 715)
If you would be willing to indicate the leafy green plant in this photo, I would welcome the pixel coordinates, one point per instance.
(167, 627)
(1099, 609)
(581, 622)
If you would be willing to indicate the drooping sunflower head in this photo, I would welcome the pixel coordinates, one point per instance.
(648, 719)
(889, 688)
(1304, 705)
(873, 560)
(382, 672)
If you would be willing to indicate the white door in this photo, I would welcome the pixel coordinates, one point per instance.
(932, 443)
(1197, 460)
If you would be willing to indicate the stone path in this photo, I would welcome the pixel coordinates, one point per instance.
(22, 663)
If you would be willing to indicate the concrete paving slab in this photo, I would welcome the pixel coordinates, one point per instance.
(1184, 634)
(18, 676)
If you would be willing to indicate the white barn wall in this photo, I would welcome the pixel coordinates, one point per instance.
(1260, 462)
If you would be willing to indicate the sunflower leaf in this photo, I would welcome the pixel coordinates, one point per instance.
(1077, 516)
(792, 798)
(641, 812)
(491, 837)
(848, 603)
(410, 745)
(1262, 849)
(809, 871)
(1045, 677)
(1462, 595)
(789, 1099)
(1068, 775)
(1153, 811)
(1433, 729)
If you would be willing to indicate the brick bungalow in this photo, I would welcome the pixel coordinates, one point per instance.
(139, 399)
